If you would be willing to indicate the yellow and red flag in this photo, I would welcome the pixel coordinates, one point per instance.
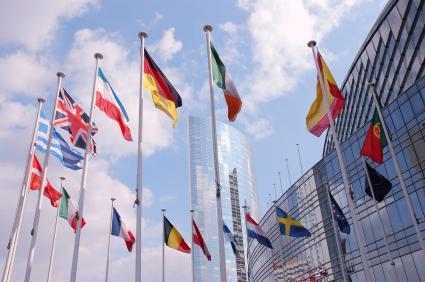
(164, 95)
(317, 119)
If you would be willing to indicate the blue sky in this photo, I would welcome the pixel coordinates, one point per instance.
(262, 43)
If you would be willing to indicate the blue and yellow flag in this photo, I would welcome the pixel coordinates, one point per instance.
(289, 226)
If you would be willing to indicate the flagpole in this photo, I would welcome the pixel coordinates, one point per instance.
(98, 57)
(280, 180)
(397, 167)
(109, 241)
(245, 207)
(193, 250)
(347, 187)
(379, 216)
(223, 278)
(14, 236)
(289, 173)
(280, 236)
(299, 159)
(163, 243)
(34, 231)
(52, 253)
(139, 186)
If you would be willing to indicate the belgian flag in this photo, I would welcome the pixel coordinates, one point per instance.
(164, 95)
(173, 239)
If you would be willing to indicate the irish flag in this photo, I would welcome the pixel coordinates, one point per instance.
(223, 80)
(317, 119)
(108, 102)
(68, 211)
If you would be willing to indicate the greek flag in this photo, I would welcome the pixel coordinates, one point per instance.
(59, 148)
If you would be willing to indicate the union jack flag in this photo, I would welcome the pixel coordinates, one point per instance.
(71, 117)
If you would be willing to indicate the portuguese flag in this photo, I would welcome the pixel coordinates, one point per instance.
(164, 95)
(173, 239)
(224, 81)
(375, 141)
(68, 211)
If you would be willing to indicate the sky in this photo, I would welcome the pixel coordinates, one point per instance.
(263, 45)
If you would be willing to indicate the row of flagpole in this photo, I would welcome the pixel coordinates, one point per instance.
(207, 29)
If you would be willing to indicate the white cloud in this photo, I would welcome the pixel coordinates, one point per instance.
(259, 128)
(33, 24)
(229, 27)
(167, 46)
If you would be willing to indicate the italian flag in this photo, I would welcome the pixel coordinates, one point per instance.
(223, 80)
(375, 141)
(68, 211)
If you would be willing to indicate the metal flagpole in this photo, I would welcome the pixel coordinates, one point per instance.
(299, 159)
(280, 180)
(109, 241)
(207, 29)
(346, 183)
(98, 57)
(397, 168)
(245, 207)
(280, 237)
(34, 231)
(379, 216)
(52, 253)
(275, 191)
(193, 251)
(163, 243)
(289, 174)
(138, 268)
(14, 236)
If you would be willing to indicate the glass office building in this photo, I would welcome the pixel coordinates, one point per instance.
(237, 183)
(393, 56)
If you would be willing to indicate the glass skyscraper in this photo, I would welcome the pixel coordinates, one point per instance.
(392, 56)
(237, 183)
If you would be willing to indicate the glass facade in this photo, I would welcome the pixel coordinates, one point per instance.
(393, 57)
(238, 189)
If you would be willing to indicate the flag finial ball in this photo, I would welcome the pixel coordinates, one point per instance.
(311, 43)
(113, 199)
(207, 27)
(98, 56)
(62, 178)
(41, 100)
(371, 84)
(143, 34)
(60, 74)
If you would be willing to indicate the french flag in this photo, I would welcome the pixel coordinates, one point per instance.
(120, 230)
(255, 232)
(108, 102)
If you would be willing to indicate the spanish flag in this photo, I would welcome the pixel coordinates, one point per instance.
(173, 239)
(317, 119)
(164, 95)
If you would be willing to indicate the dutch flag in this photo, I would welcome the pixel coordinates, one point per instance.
(255, 232)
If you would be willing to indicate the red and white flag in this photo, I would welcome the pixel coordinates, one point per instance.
(197, 239)
(35, 183)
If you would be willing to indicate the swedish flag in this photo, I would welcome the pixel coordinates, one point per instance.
(289, 226)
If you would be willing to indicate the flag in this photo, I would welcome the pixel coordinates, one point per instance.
(35, 183)
(289, 226)
(68, 211)
(164, 95)
(108, 102)
(59, 147)
(255, 232)
(72, 118)
(339, 216)
(197, 239)
(317, 119)
(119, 229)
(173, 239)
(223, 79)
(228, 236)
(375, 140)
(380, 185)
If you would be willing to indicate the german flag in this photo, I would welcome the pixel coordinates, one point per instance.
(173, 239)
(164, 95)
